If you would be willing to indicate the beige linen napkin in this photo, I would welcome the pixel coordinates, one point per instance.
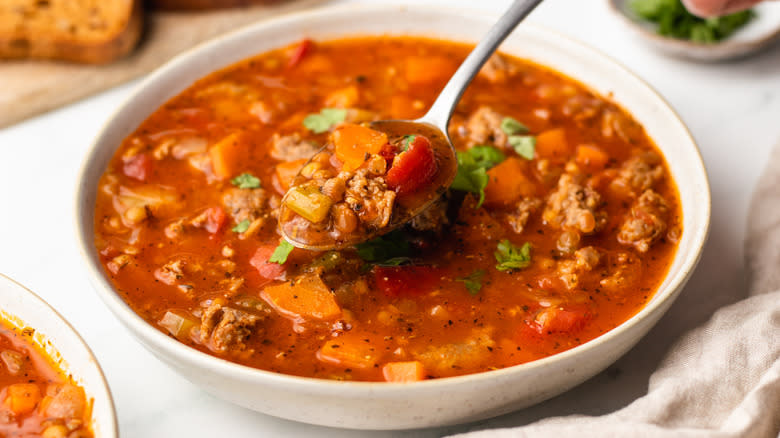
(719, 380)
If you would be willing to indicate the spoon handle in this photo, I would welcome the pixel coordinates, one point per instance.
(441, 111)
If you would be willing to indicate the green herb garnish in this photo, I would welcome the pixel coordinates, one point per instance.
(408, 139)
(675, 21)
(384, 249)
(395, 261)
(473, 281)
(524, 145)
(472, 169)
(511, 126)
(326, 119)
(246, 181)
(281, 252)
(241, 226)
(510, 257)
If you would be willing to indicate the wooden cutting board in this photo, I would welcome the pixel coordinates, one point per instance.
(28, 88)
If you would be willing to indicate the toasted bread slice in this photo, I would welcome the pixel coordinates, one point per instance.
(86, 31)
(199, 5)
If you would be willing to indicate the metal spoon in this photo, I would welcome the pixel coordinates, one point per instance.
(433, 125)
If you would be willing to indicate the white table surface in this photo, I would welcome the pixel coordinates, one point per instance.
(732, 109)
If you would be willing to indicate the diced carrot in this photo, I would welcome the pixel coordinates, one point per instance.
(227, 155)
(343, 98)
(349, 352)
(403, 107)
(552, 145)
(286, 172)
(307, 297)
(353, 142)
(427, 69)
(404, 371)
(591, 156)
(23, 397)
(507, 183)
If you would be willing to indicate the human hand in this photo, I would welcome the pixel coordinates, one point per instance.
(712, 8)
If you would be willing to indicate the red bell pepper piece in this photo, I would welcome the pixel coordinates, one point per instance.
(215, 219)
(413, 168)
(301, 50)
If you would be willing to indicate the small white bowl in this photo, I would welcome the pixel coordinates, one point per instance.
(758, 34)
(370, 405)
(22, 308)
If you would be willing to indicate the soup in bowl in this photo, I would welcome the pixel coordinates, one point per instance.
(566, 234)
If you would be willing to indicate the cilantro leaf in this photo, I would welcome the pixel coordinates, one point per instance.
(472, 169)
(395, 261)
(473, 281)
(524, 145)
(383, 249)
(246, 181)
(511, 126)
(326, 119)
(510, 257)
(241, 226)
(281, 252)
(408, 139)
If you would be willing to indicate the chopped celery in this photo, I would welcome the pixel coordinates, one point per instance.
(309, 202)
(176, 324)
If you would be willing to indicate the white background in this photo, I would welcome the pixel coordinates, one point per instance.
(732, 109)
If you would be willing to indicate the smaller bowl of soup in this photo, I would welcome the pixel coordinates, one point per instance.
(51, 385)
(578, 212)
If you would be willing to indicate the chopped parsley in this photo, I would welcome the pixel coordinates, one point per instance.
(246, 181)
(326, 119)
(511, 126)
(395, 261)
(675, 21)
(241, 226)
(473, 281)
(524, 145)
(472, 169)
(510, 257)
(388, 249)
(408, 139)
(281, 252)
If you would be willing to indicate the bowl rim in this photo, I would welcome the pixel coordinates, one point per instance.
(111, 429)
(147, 333)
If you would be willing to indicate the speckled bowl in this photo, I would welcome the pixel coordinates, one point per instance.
(429, 403)
(22, 308)
(760, 33)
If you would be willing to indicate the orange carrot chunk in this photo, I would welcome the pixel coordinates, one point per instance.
(591, 156)
(349, 352)
(422, 70)
(227, 155)
(552, 145)
(306, 298)
(286, 172)
(404, 371)
(354, 142)
(507, 183)
(22, 398)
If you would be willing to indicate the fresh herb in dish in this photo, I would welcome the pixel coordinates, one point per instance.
(676, 22)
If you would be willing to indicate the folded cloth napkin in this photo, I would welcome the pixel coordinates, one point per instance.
(721, 379)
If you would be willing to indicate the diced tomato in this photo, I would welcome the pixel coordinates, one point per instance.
(406, 281)
(301, 50)
(215, 219)
(137, 167)
(413, 168)
(266, 269)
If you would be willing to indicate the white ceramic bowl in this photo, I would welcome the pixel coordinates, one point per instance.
(435, 402)
(22, 308)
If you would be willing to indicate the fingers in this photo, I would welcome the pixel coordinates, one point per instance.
(711, 8)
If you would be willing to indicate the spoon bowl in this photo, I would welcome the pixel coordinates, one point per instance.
(321, 234)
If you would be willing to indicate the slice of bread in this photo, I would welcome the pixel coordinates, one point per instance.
(86, 31)
(199, 5)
